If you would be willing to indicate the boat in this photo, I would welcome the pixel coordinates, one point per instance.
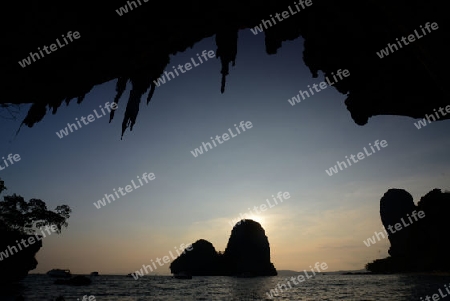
(58, 273)
(94, 274)
(129, 275)
(182, 275)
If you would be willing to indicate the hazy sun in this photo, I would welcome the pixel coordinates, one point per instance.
(257, 218)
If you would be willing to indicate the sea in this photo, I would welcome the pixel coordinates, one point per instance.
(321, 287)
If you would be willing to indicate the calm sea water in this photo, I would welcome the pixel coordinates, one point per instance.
(322, 287)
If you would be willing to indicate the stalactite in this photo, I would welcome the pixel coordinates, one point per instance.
(55, 105)
(226, 41)
(347, 35)
(35, 114)
(150, 94)
(131, 111)
(121, 85)
(140, 83)
(80, 98)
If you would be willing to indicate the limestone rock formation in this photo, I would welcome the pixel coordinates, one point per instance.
(395, 205)
(421, 244)
(202, 260)
(18, 262)
(432, 239)
(247, 254)
(19, 241)
(248, 250)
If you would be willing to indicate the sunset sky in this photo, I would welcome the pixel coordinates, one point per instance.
(287, 149)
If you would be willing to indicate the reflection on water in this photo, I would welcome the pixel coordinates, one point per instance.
(322, 287)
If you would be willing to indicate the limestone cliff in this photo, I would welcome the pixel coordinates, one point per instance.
(247, 254)
(18, 262)
(419, 244)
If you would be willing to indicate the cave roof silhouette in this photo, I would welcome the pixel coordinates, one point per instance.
(136, 47)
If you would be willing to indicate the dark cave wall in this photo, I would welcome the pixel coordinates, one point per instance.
(137, 47)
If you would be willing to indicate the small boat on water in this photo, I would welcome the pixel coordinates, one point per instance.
(182, 275)
(58, 273)
(129, 275)
(94, 274)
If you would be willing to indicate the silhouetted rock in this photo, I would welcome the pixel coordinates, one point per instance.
(19, 241)
(395, 205)
(18, 262)
(432, 247)
(247, 254)
(248, 250)
(422, 245)
(202, 260)
(136, 48)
